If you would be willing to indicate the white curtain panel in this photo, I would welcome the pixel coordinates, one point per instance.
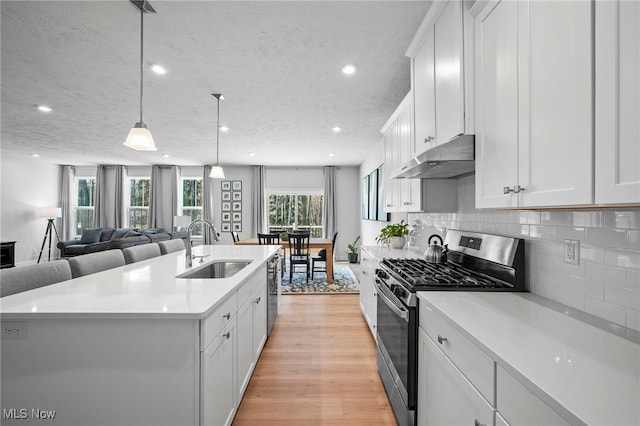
(329, 213)
(109, 197)
(259, 199)
(67, 224)
(207, 204)
(163, 199)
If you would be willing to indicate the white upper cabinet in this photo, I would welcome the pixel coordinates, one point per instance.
(617, 126)
(497, 109)
(442, 79)
(534, 138)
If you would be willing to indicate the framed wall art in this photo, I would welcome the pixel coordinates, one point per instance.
(226, 185)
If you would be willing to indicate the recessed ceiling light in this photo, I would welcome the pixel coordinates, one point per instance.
(224, 129)
(166, 155)
(337, 129)
(44, 108)
(332, 154)
(252, 154)
(35, 155)
(158, 69)
(349, 69)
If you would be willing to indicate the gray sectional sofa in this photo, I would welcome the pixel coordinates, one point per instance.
(99, 239)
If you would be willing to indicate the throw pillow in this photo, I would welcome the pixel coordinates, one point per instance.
(90, 235)
(106, 234)
(120, 233)
(132, 234)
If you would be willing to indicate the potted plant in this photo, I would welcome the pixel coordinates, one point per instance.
(394, 235)
(352, 255)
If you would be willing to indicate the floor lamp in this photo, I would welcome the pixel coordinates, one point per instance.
(49, 213)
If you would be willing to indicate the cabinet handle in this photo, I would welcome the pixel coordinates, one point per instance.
(227, 316)
(227, 335)
(441, 339)
(515, 190)
(428, 139)
(258, 300)
(477, 423)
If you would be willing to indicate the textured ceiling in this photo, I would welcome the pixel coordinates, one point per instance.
(277, 63)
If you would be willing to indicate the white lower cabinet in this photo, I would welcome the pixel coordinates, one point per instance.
(368, 293)
(217, 396)
(228, 361)
(445, 396)
(519, 406)
(252, 334)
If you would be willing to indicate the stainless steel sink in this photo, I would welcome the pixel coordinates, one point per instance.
(216, 269)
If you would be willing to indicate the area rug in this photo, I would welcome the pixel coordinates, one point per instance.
(345, 282)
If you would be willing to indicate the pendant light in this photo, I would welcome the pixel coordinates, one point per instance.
(140, 137)
(216, 171)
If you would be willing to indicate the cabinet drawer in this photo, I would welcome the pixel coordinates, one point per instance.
(470, 360)
(519, 406)
(218, 320)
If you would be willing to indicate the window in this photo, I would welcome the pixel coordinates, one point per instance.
(192, 201)
(297, 210)
(138, 208)
(86, 189)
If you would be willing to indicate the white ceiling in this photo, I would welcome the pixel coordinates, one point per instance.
(277, 63)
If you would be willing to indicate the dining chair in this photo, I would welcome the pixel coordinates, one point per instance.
(322, 257)
(269, 239)
(235, 236)
(95, 262)
(169, 246)
(141, 252)
(299, 253)
(22, 278)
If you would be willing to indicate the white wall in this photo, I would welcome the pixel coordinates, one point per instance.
(369, 229)
(27, 184)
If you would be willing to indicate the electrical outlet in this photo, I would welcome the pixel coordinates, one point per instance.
(572, 252)
(14, 330)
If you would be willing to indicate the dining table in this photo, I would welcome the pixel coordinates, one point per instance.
(314, 243)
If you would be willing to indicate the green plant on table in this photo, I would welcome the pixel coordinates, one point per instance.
(392, 230)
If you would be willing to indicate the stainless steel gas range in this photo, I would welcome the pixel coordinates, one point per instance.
(475, 262)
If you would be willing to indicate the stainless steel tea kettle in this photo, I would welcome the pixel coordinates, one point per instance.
(436, 253)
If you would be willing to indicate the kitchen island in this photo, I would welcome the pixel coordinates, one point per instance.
(136, 344)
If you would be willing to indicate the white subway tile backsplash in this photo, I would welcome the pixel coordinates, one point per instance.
(606, 283)
(633, 279)
(530, 218)
(569, 298)
(624, 219)
(633, 319)
(608, 311)
(633, 240)
(592, 254)
(583, 286)
(561, 218)
(606, 237)
(590, 219)
(570, 233)
(542, 232)
(618, 293)
(622, 258)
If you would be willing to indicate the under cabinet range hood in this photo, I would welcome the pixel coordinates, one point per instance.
(450, 159)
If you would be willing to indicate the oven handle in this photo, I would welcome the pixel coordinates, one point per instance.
(383, 291)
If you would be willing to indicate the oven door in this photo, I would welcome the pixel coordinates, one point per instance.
(393, 339)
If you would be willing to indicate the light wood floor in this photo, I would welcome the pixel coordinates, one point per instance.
(317, 368)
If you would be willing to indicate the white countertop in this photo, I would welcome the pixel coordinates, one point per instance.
(147, 289)
(380, 252)
(581, 371)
